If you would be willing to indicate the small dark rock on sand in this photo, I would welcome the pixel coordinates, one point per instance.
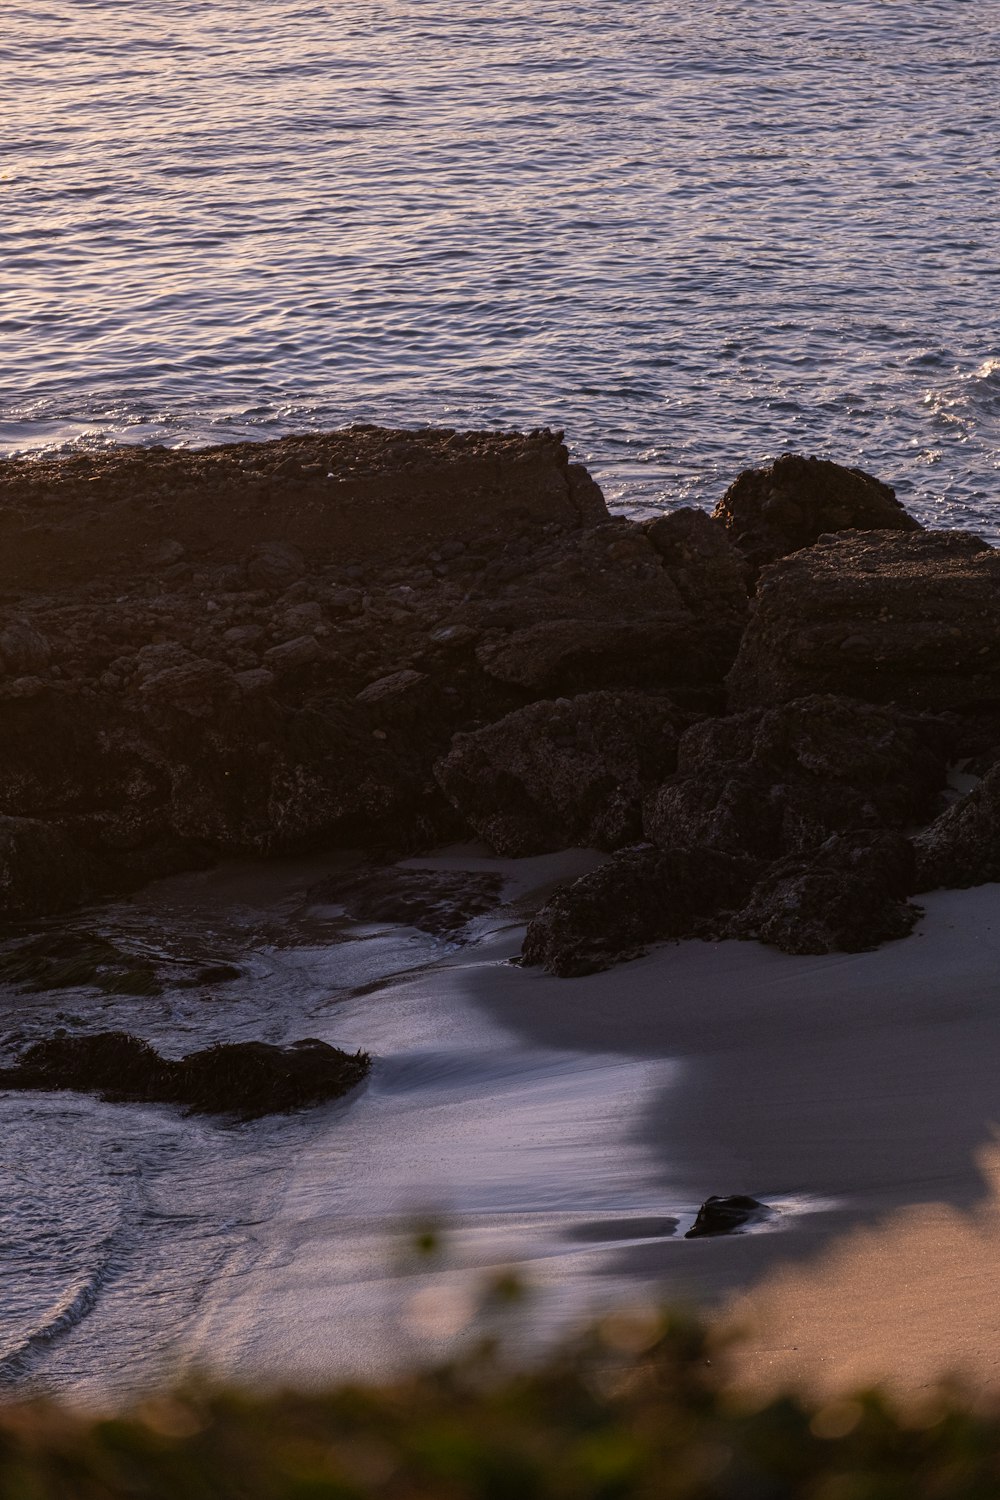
(247, 1079)
(722, 1215)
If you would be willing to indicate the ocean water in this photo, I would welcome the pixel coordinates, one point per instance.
(692, 236)
(139, 1244)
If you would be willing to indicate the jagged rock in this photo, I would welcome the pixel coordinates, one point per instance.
(897, 617)
(396, 685)
(417, 585)
(194, 687)
(962, 847)
(167, 553)
(304, 620)
(569, 771)
(722, 1215)
(701, 560)
(275, 564)
(440, 902)
(160, 656)
(848, 896)
(771, 512)
(247, 1079)
(295, 653)
(604, 610)
(24, 687)
(254, 681)
(641, 896)
(587, 495)
(773, 781)
(24, 651)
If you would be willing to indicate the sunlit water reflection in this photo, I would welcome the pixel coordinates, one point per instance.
(692, 236)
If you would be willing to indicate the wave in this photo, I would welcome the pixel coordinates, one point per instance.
(15, 1367)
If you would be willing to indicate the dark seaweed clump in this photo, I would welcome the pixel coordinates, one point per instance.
(63, 960)
(247, 1079)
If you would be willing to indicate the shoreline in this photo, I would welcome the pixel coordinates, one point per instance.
(747, 718)
(570, 1130)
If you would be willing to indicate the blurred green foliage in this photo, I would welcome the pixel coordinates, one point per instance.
(639, 1407)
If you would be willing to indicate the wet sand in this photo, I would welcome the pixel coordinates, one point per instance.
(573, 1129)
(567, 1128)
(862, 1088)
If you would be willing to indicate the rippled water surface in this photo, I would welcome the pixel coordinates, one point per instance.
(691, 235)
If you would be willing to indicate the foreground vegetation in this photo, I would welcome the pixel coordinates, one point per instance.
(638, 1408)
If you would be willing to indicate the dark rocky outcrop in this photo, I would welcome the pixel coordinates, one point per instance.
(43, 869)
(641, 896)
(792, 503)
(440, 902)
(384, 639)
(611, 607)
(962, 846)
(772, 781)
(263, 648)
(847, 896)
(569, 771)
(701, 560)
(806, 801)
(884, 616)
(365, 493)
(247, 1079)
(719, 1215)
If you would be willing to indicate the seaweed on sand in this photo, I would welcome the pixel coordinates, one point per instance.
(247, 1079)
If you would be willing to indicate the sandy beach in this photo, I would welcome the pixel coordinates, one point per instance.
(737, 730)
(571, 1129)
(862, 1086)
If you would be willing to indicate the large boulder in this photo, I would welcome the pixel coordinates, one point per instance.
(901, 617)
(848, 896)
(641, 896)
(247, 1079)
(771, 512)
(962, 847)
(617, 605)
(701, 560)
(774, 781)
(569, 771)
(364, 492)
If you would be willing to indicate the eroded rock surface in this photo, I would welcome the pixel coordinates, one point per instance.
(262, 648)
(611, 607)
(847, 896)
(899, 617)
(773, 781)
(385, 640)
(565, 771)
(641, 896)
(790, 504)
(962, 847)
